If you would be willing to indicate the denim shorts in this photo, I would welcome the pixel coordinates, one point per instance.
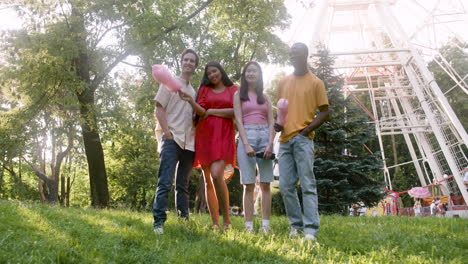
(258, 137)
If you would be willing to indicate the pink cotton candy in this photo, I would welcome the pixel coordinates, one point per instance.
(163, 76)
(282, 111)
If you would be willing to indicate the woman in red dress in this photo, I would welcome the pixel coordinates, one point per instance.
(214, 138)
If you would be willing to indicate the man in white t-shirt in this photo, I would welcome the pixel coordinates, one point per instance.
(176, 143)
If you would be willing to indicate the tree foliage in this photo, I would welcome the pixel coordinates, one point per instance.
(344, 169)
(63, 64)
(454, 52)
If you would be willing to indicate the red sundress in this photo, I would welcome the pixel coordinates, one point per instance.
(214, 137)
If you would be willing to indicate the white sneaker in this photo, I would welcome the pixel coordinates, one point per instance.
(159, 230)
(265, 229)
(295, 233)
(310, 237)
(249, 230)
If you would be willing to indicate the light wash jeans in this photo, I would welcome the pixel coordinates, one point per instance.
(258, 137)
(296, 163)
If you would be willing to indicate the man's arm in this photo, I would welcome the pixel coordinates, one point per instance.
(318, 121)
(160, 115)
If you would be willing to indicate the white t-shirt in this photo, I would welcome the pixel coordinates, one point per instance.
(179, 116)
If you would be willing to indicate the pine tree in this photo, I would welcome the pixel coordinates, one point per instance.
(344, 169)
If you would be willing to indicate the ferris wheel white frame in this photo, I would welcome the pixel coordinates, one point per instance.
(405, 98)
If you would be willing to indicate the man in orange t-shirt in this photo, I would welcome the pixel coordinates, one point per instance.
(305, 94)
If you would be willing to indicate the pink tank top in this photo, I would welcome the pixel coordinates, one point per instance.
(254, 113)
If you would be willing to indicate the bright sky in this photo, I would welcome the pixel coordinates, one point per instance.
(9, 20)
(305, 13)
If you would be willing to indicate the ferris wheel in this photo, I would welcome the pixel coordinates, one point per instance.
(384, 54)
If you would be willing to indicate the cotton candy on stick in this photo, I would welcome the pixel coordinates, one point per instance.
(282, 111)
(163, 76)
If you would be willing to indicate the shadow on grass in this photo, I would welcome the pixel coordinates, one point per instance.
(92, 236)
(37, 233)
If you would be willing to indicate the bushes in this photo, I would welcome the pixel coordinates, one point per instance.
(277, 205)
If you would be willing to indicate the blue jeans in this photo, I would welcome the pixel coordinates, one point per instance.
(296, 163)
(171, 156)
(258, 137)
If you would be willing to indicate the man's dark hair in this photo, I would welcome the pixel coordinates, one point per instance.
(197, 59)
(303, 47)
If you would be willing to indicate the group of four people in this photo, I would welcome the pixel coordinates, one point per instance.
(208, 141)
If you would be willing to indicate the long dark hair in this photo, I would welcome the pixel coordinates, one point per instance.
(206, 82)
(244, 87)
(224, 77)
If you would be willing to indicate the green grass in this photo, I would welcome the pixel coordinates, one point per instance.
(37, 233)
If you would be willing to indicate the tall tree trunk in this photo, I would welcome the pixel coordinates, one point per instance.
(2, 172)
(53, 184)
(20, 164)
(62, 190)
(68, 183)
(91, 138)
(53, 191)
(67, 197)
(94, 156)
(40, 188)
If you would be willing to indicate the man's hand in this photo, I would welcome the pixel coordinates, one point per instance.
(168, 135)
(278, 127)
(304, 132)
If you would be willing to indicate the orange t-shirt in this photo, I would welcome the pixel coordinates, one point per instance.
(304, 94)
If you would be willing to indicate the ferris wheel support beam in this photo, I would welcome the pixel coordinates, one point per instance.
(407, 138)
(405, 99)
(317, 23)
(395, 31)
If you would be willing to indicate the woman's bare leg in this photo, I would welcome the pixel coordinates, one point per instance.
(222, 192)
(210, 195)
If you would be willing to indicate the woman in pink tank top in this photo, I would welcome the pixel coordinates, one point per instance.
(254, 121)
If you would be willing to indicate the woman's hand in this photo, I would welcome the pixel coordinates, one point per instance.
(207, 113)
(268, 151)
(184, 96)
(249, 150)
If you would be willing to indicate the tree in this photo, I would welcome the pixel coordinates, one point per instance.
(67, 52)
(69, 41)
(454, 52)
(58, 154)
(344, 168)
(129, 144)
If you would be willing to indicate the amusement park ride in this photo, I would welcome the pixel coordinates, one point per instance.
(389, 64)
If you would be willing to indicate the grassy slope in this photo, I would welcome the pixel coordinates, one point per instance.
(36, 233)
